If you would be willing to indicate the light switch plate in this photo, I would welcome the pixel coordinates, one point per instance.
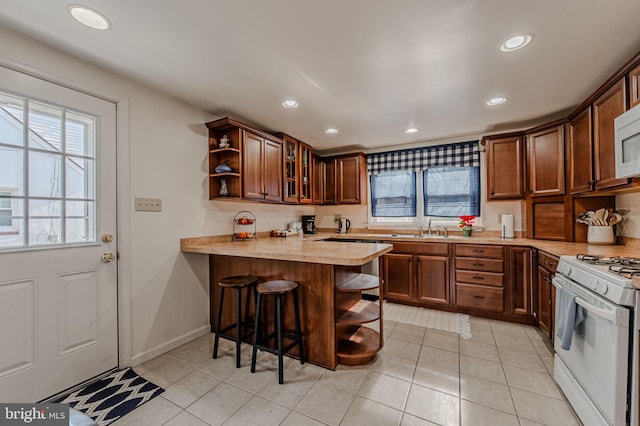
(148, 204)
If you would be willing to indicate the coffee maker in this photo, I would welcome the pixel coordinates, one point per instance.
(309, 224)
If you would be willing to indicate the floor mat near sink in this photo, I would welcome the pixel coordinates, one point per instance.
(447, 321)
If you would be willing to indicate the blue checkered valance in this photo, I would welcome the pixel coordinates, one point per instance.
(462, 154)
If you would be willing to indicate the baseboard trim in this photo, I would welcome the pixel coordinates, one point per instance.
(170, 345)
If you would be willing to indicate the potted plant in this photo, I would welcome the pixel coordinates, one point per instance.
(466, 225)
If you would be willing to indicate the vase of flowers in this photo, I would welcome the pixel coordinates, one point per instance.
(466, 225)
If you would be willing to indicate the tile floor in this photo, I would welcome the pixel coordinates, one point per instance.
(423, 376)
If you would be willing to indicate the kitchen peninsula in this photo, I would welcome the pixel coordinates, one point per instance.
(321, 268)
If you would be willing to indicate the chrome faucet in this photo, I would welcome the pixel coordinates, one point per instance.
(429, 227)
(444, 228)
(421, 229)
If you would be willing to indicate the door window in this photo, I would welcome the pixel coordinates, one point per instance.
(48, 160)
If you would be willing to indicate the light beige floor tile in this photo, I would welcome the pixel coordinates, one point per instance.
(443, 340)
(168, 372)
(310, 371)
(151, 364)
(525, 422)
(191, 387)
(185, 419)
(394, 366)
(219, 404)
(386, 390)
(187, 347)
(482, 336)
(503, 327)
(297, 419)
(480, 324)
(196, 357)
(542, 345)
(258, 412)
(438, 379)
(548, 362)
(520, 342)
(437, 407)
(402, 348)
(542, 409)
(408, 332)
(482, 368)
(288, 394)
(477, 415)
(364, 412)
(154, 412)
(532, 381)
(348, 380)
(439, 358)
(479, 350)
(207, 338)
(409, 420)
(325, 404)
(223, 367)
(483, 392)
(528, 360)
(254, 382)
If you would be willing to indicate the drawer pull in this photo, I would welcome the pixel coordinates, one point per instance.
(546, 262)
(478, 264)
(479, 297)
(475, 277)
(478, 251)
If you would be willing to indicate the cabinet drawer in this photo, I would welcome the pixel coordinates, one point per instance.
(436, 249)
(482, 278)
(547, 261)
(479, 297)
(473, 250)
(480, 264)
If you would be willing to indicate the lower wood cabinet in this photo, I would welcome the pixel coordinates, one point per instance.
(483, 280)
(417, 274)
(546, 292)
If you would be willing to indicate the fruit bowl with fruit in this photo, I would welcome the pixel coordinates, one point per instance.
(244, 226)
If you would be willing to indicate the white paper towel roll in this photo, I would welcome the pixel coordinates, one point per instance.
(507, 225)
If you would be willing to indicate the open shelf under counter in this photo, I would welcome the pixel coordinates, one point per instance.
(357, 346)
(360, 282)
(362, 312)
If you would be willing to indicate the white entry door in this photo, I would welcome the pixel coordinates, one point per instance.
(58, 272)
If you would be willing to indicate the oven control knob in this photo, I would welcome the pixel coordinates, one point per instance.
(567, 271)
(601, 287)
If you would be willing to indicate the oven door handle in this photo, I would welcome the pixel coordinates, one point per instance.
(616, 316)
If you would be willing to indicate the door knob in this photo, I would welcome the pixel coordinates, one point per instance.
(108, 257)
(107, 238)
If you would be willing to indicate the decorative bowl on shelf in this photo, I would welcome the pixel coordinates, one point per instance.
(223, 168)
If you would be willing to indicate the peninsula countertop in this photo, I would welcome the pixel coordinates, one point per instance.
(295, 248)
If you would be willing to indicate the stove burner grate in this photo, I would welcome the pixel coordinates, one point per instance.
(625, 270)
(631, 262)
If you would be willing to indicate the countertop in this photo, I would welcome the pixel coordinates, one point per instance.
(310, 248)
(295, 248)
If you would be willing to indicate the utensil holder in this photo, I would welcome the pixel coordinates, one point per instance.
(603, 235)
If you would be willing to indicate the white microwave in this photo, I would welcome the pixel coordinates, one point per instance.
(627, 143)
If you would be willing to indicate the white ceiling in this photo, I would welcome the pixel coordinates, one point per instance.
(370, 68)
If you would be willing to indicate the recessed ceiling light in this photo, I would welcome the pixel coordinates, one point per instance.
(496, 101)
(89, 17)
(290, 103)
(516, 42)
(331, 131)
(411, 130)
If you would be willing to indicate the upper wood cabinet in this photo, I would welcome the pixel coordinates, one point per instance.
(262, 168)
(297, 170)
(318, 180)
(352, 179)
(605, 109)
(546, 162)
(634, 87)
(504, 168)
(329, 191)
(580, 153)
(255, 160)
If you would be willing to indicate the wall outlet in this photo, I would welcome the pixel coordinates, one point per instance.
(148, 204)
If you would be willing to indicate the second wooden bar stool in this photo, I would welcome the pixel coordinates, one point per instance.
(278, 289)
(237, 282)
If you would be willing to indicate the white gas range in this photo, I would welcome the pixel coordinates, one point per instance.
(598, 369)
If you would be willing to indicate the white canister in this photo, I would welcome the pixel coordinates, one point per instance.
(600, 235)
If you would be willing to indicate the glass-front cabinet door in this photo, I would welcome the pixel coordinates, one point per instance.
(306, 174)
(290, 170)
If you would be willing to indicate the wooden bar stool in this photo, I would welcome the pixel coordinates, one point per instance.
(238, 283)
(278, 289)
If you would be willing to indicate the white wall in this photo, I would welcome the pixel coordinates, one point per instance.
(631, 223)
(167, 143)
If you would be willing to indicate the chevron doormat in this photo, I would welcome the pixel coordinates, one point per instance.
(112, 397)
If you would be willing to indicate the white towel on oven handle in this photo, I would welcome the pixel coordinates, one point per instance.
(570, 315)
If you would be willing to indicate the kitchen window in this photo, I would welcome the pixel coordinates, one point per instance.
(447, 177)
